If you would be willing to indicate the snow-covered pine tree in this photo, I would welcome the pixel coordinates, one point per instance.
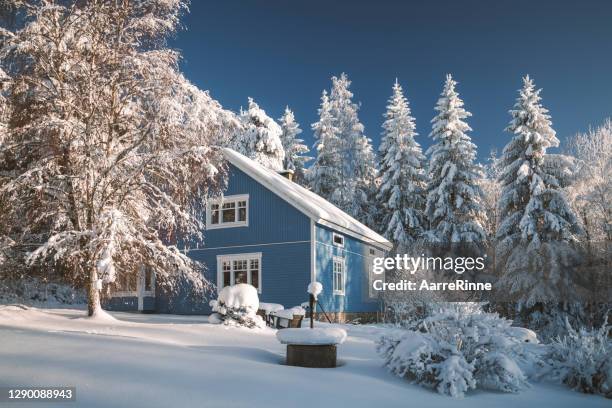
(324, 175)
(110, 145)
(491, 189)
(260, 137)
(536, 223)
(454, 208)
(295, 149)
(357, 165)
(401, 194)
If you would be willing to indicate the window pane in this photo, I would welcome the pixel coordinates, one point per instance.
(229, 215)
(148, 280)
(255, 278)
(214, 217)
(227, 276)
(242, 214)
(242, 204)
(240, 277)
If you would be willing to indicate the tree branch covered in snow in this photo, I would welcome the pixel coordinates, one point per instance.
(109, 147)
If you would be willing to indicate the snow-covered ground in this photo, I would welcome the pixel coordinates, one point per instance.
(178, 361)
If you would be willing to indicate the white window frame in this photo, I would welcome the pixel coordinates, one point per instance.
(238, 257)
(341, 261)
(224, 200)
(334, 235)
(373, 253)
(139, 291)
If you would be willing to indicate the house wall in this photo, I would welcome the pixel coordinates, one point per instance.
(275, 228)
(357, 262)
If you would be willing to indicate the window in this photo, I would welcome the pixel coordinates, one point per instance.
(239, 268)
(124, 285)
(338, 240)
(338, 275)
(373, 294)
(149, 280)
(229, 211)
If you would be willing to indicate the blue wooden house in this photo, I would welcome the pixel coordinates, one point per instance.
(276, 235)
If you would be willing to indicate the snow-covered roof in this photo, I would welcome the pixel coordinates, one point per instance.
(312, 205)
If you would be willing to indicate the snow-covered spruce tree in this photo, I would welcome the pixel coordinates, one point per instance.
(259, 137)
(536, 222)
(109, 142)
(401, 195)
(324, 174)
(453, 208)
(354, 195)
(352, 186)
(295, 149)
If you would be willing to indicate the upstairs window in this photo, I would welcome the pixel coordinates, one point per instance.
(338, 240)
(226, 212)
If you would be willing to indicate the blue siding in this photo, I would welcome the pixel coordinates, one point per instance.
(356, 255)
(275, 228)
(282, 234)
(285, 270)
(271, 219)
(129, 304)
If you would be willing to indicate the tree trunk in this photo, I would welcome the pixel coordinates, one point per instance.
(93, 294)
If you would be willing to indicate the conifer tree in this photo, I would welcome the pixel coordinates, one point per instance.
(537, 223)
(295, 149)
(353, 167)
(324, 175)
(453, 207)
(259, 137)
(401, 195)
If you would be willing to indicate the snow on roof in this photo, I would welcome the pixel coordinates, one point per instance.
(307, 202)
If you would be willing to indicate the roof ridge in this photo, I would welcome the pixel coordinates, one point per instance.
(322, 211)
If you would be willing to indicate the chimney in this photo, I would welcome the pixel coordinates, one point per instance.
(288, 174)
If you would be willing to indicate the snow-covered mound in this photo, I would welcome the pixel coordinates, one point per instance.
(289, 313)
(237, 305)
(270, 307)
(317, 336)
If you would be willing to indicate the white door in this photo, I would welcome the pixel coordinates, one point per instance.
(145, 286)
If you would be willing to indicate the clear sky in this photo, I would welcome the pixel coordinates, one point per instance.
(284, 52)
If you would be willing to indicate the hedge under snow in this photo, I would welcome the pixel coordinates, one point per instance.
(237, 305)
(454, 352)
(583, 360)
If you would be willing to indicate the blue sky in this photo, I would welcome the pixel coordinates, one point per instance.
(284, 53)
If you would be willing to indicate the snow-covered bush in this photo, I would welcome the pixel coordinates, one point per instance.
(459, 349)
(237, 306)
(583, 360)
